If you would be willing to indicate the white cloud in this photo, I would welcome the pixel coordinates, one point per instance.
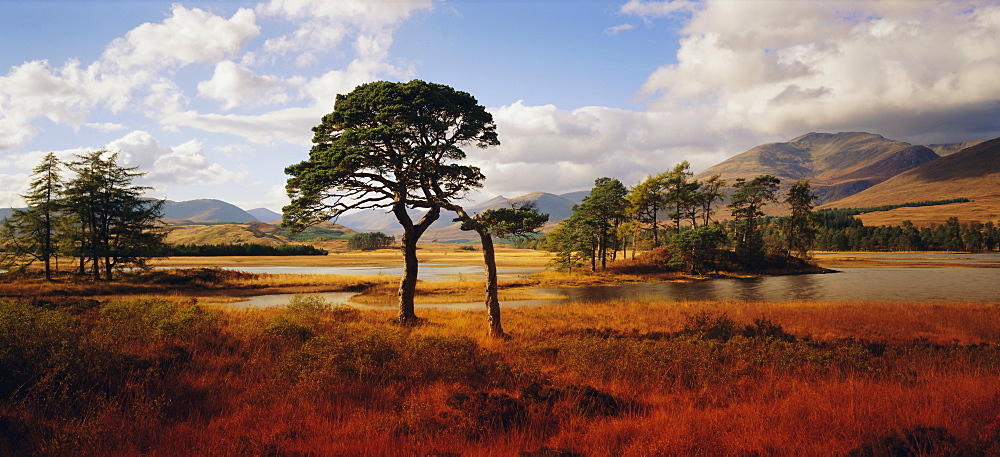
(658, 8)
(188, 36)
(546, 148)
(106, 127)
(182, 164)
(236, 85)
(323, 24)
(908, 70)
(129, 67)
(36, 89)
(618, 29)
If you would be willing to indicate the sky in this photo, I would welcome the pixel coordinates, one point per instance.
(213, 99)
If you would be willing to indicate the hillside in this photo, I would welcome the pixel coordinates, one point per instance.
(204, 210)
(264, 215)
(973, 173)
(951, 148)
(251, 233)
(837, 165)
(558, 207)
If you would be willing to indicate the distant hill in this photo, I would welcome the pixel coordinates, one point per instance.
(245, 233)
(951, 148)
(264, 215)
(558, 207)
(204, 210)
(837, 165)
(972, 173)
(251, 233)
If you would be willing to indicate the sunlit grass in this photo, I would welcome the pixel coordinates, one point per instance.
(169, 376)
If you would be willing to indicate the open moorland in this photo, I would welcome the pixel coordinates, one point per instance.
(166, 376)
(162, 367)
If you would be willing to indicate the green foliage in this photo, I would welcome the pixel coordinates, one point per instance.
(645, 202)
(517, 222)
(396, 146)
(747, 205)
(114, 223)
(591, 232)
(381, 143)
(31, 234)
(370, 241)
(872, 209)
(799, 229)
(950, 236)
(695, 250)
(248, 249)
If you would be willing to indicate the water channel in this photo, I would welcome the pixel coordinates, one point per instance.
(923, 285)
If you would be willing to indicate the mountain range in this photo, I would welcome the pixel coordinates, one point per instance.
(845, 170)
(837, 165)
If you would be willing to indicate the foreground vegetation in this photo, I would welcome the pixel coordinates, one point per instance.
(167, 376)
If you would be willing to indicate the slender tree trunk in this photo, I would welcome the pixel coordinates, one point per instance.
(492, 286)
(47, 246)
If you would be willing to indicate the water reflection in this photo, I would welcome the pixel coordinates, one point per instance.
(850, 284)
(426, 272)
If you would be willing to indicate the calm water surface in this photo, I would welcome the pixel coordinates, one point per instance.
(849, 284)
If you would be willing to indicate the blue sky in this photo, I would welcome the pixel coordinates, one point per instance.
(215, 98)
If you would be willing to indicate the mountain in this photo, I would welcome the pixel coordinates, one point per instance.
(264, 215)
(837, 165)
(253, 232)
(558, 207)
(204, 210)
(972, 173)
(951, 148)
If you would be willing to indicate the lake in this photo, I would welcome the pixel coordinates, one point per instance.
(848, 284)
(426, 271)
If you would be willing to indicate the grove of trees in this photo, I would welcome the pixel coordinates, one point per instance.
(99, 216)
(674, 210)
(370, 241)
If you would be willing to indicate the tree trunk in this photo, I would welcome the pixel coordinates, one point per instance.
(408, 285)
(492, 286)
(411, 234)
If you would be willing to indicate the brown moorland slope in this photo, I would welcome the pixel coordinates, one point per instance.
(836, 164)
(972, 173)
(246, 233)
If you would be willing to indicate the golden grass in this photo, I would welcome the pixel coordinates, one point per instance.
(159, 376)
(888, 260)
(466, 291)
(435, 253)
(983, 209)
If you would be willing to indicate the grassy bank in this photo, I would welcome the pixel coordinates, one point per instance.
(165, 376)
(190, 282)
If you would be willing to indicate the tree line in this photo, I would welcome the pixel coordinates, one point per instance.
(370, 241)
(953, 235)
(248, 249)
(98, 216)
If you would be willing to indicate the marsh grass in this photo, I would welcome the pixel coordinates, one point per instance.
(167, 376)
(462, 291)
(187, 282)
